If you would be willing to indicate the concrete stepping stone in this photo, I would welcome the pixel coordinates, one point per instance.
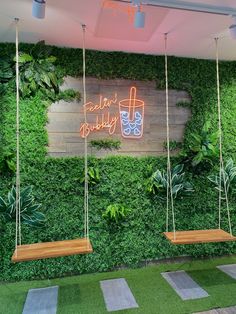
(230, 270)
(41, 301)
(184, 285)
(117, 295)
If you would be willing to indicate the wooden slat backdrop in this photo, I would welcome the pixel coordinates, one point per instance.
(65, 118)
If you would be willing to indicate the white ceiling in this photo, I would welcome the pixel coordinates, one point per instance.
(191, 34)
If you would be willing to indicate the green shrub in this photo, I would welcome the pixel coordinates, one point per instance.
(106, 143)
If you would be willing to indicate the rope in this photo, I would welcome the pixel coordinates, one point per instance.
(18, 216)
(86, 217)
(169, 176)
(221, 171)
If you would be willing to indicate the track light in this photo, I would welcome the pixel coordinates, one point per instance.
(136, 2)
(232, 28)
(38, 9)
(139, 20)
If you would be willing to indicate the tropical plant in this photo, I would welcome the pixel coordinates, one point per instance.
(116, 212)
(6, 74)
(93, 176)
(203, 147)
(7, 163)
(30, 213)
(106, 143)
(158, 183)
(37, 71)
(226, 180)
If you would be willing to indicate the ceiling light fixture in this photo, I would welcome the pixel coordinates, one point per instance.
(135, 2)
(232, 28)
(139, 19)
(38, 9)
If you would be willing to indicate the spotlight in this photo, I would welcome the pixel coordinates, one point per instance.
(136, 2)
(38, 9)
(139, 20)
(232, 28)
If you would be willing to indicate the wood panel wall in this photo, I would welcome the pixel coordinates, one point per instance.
(65, 118)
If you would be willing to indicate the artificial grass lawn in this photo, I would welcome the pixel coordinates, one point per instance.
(82, 294)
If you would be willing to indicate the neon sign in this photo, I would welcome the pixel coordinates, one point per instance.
(130, 113)
(118, 7)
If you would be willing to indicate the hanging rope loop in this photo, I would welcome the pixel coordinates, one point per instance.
(86, 200)
(221, 168)
(18, 209)
(169, 192)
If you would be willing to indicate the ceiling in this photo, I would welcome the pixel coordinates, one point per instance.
(110, 27)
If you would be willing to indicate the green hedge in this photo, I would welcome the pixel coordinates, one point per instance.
(55, 181)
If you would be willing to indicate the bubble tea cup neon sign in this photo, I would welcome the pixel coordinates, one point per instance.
(130, 114)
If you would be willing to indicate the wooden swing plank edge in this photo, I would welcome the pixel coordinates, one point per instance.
(199, 236)
(36, 251)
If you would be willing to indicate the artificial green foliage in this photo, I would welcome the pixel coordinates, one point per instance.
(29, 210)
(116, 212)
(173, 145)
(7, 163)
(203, 147)
(158, 183)
(93, 176)
(225, 181)
(122, 178)
(67, 95)
(6, 73)
(106, 143)
(82, 294)
(37, 71)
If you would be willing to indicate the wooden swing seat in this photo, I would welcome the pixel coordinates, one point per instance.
(35, 251)
(199, 236)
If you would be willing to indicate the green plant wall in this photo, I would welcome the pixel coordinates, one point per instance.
(55, 181)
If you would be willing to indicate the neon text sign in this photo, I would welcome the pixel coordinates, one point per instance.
(129, 111)
(119, 7)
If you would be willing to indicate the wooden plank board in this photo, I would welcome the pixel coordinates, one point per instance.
(64, 119)
(35, 251)
(199, 236)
